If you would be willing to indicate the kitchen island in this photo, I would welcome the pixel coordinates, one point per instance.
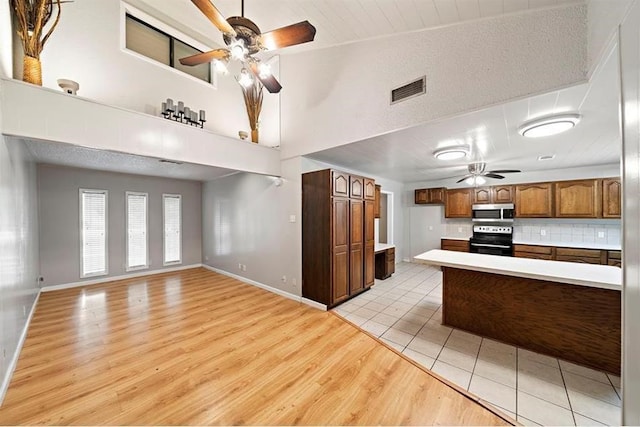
(563, 309)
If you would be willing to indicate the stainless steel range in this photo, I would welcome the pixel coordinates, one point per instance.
(492, 240)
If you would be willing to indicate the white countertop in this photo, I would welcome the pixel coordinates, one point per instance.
(597, 276)
(455, 238)
(383, 246)
(603, 246)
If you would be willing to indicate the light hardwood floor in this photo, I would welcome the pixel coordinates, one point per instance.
(196, 347)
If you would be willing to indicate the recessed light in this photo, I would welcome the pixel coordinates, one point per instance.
(451, 153)
(547, 157)
(549, 125)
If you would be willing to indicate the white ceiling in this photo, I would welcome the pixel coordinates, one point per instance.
(89, 158)
(343, 21)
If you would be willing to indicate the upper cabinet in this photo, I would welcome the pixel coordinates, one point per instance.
(578, 199)
(340, 184)
(370, 189)
(376, 202)
(458, 203)
(611, 198)
(424, 196)
(356, 186)
(534, 200)
(495, 194)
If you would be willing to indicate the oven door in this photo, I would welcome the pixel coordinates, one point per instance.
(490, 248)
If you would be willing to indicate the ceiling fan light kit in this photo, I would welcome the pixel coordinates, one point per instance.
(244, 39)
(477, 174)
(451, 153)
(549, 125)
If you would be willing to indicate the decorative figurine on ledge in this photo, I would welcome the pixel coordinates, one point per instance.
(180, 113)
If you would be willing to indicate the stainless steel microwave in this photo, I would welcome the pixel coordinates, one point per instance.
(503, 212)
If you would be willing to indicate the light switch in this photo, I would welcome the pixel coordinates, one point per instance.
(543, 232)
(292, 218)
(431, 228)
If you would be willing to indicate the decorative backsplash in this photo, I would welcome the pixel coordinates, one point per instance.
(568, 231)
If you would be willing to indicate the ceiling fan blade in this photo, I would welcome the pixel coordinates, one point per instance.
(463, 178)
(202, 58)
(214, 15)
(302, 32)
(506, 171)
(270, 82)
(493, 175)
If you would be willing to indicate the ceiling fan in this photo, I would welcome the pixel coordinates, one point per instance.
(244, 39)
(477, 170)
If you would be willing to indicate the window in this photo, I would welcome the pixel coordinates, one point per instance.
(93, 233)
(137, 242)
(162, 47)
(171, 214)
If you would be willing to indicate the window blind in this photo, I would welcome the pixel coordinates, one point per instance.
(94, 232)
(147, 41)
(137, 251)
(172, 228)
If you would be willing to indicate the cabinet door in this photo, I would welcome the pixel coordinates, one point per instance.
(611, 198)
(482, 195)
(422, 196)
(376, 203)
(369, 243)
(356, 185)
(502, 194)
(534, 200)
(340, 252)
(340, 183)
(458, 203)
(436, 195)
(578, 199)
(369, 189)
(356, 246)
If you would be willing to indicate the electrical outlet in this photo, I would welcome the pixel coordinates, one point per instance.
(600, 234)
(240, 267)
(292, 218)
(459, 229)
(543, 232)
(244, 267)
(294, 282)
(431, 228)
(284, 279)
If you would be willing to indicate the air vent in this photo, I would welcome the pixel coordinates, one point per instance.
(415, 88)
(170, 161)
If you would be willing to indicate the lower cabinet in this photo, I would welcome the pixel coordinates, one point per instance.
(385, 263)
(454, 245)
(586, 256)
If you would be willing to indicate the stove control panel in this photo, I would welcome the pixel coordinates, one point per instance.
(496, 229)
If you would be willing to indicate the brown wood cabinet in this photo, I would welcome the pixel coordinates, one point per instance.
(494, 194)
(534, 200)
(454, 245)
(578, 199)
(425, 196)
(611, 198)
(614, 258)
(385, 263)
(585, 256)
(376, 202)
(458, 203)
(337, 236)
(369, 189)
(535, 252)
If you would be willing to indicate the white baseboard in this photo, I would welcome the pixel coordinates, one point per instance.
(267, 287)
(120, 277)
(14, 359)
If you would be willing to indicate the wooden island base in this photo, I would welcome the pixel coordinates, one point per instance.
(576, 323)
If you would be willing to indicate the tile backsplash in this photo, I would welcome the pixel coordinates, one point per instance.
(568, 231)
(457, 228)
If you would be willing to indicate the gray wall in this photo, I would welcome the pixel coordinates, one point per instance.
(59, 219)
(18, 248)
(246, 220)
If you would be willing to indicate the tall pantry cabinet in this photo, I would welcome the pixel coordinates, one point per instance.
(338, 258)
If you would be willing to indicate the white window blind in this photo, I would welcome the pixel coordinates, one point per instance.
(137, 243)
(172, 228)
(93, 232)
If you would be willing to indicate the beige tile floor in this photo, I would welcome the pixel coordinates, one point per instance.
(405, 312)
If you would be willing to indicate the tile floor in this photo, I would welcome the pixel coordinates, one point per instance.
(405, 312)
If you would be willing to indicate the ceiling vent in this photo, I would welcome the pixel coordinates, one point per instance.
(415, 88)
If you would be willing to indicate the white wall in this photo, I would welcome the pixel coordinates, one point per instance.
(246, 220)
(6, 40)
(86, 47)
(58, 199)
(18, 250)
(630, 73)
(341, 94)
(603, 17)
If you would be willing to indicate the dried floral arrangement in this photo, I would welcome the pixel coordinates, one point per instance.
(31, 18)
(253, 102)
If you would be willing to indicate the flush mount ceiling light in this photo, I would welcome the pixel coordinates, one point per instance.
(451, 153)
(546, 157)
(549, 125)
